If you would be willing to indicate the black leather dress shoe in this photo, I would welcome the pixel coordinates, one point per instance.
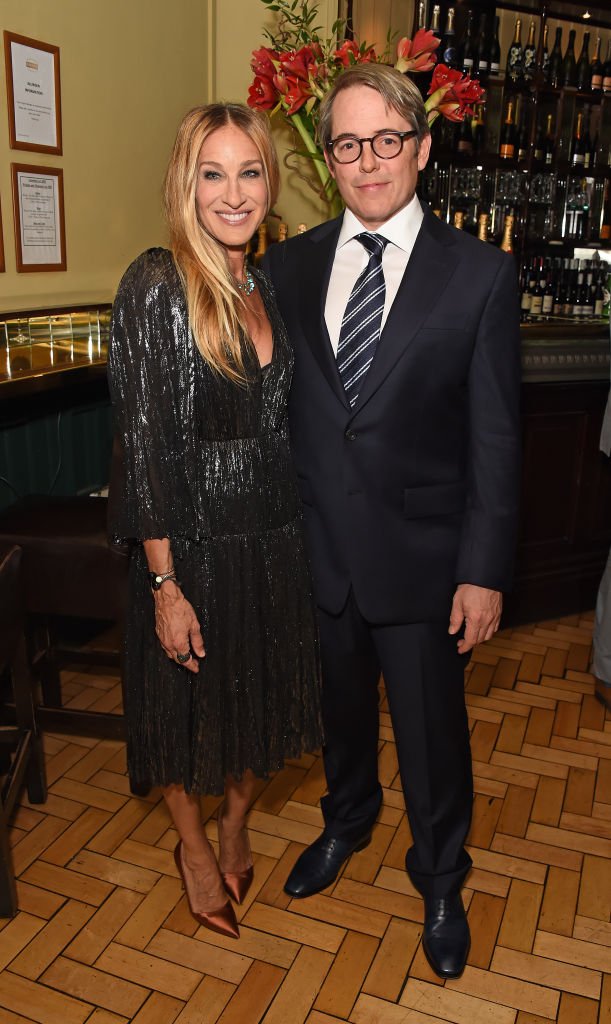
(446, 939)
(320, 864)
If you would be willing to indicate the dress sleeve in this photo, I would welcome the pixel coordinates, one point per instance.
(152, 397)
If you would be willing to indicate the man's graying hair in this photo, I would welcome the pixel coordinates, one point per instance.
(397, 90)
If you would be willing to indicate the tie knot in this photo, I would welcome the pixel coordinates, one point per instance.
(374, 244)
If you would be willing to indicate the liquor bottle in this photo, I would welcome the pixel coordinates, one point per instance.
(477, 128)
(583, 72)
(596, 69)
(459, 220)
(555, 61)
(422, 14)
(464, 139)
(495, 50)
(607, 69)
(549, 142)
(578, 148)
(283, 231)
(587, 142)
(539, 150)
(435, 21)
(468, 47)
(529, 60)
(515, 57)
(545, 55)
(482, 57)
(449, 53)
(507, 148)
(569, 64)
(301, 229)
(482, 227)
(522, 143)
(261, 243)
(507, 242)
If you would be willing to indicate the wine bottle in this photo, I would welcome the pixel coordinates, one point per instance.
(547, 306)
(605, 220)
(545, 55)
(477, 128)
(522, 133)
(549, 142)
(464, 139)
(459, 220)
(495, 50)
(599, 295)
(569, 64)
(283, 231)
(422, 14)
(507, 148)
(555, 61)
(529, 60)
(435, 21)
(587, 142)
(539, 150)
(482, 227)
(607, 69)
(482, 61)
(578, 148)
(596, 69)
(536, 299)
(261, 243)
(449, 54)
(515, 57)
(507, 242)
(468, 48)
(583, 72)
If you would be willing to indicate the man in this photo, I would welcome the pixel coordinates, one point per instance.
(406, 448)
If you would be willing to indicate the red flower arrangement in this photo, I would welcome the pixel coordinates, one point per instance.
(294, 72)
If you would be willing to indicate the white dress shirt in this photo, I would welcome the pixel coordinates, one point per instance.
(351, 258)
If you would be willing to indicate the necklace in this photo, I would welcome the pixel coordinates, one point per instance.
(247, 286)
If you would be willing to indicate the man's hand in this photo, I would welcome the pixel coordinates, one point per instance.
(480, 609)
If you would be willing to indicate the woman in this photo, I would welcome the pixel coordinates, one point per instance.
(200, 368)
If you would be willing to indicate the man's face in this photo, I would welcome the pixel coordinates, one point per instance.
(373, 188)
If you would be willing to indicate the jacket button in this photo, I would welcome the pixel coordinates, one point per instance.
(350, 435)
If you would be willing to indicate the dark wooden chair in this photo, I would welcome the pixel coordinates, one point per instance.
(69, 572)
(21, 749)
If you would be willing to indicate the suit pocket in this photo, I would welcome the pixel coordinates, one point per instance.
(435, 500)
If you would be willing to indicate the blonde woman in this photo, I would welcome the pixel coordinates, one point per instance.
(221, 664)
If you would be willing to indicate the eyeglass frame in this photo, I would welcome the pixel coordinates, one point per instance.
(403, 136)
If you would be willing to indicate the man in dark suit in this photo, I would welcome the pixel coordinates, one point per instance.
(404, 424)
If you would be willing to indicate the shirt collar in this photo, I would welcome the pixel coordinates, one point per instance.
(401, 229)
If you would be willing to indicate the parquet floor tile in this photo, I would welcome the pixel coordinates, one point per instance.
(104, 935)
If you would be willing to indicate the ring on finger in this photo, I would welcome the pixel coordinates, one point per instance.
(183, 658)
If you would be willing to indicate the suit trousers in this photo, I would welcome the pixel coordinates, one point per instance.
(424, 679)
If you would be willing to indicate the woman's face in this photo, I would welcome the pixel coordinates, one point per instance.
(231, 194)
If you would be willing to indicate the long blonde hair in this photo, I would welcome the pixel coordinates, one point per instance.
(217, 314)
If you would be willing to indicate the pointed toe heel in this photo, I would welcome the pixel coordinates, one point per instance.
(223, 921)
(237, 883)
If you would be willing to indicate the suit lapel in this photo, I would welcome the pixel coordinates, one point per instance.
(431, 265)
(315, 273)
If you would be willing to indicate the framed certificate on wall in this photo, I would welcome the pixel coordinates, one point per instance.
(33, 94)
(38, 207)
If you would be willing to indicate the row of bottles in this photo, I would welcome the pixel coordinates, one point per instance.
(556, 287)
(478, 53)
(259, 243)
(559, 67)
(586, 148)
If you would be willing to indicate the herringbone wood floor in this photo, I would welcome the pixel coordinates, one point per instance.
(103, 934)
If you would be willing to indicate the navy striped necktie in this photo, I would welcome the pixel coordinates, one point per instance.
(362, 320)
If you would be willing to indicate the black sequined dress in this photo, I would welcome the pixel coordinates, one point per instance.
(206, 462)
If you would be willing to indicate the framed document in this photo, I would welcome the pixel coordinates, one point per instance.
(33, 94)
(38, 207)
(2, 263)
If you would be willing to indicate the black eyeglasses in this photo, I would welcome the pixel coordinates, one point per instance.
(385, 145)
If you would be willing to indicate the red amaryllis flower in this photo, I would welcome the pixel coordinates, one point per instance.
(452, 94)
(262, 94)
(294, 92)
(419, 54)
(301, 63)
(262, 62)
(350, 53)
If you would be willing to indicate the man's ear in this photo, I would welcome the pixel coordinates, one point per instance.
(329, 161)
(423, 151)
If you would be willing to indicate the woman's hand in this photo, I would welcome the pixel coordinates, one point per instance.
(177, 627)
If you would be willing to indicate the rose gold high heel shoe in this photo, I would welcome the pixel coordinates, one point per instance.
(223, 920)
(237, 883)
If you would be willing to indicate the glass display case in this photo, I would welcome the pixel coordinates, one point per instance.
(41, 342)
